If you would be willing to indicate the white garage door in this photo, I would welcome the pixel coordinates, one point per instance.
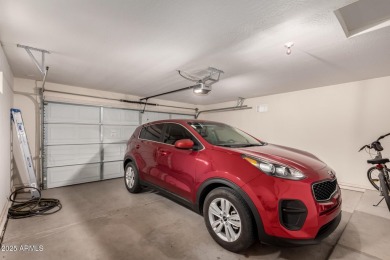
(87, 143)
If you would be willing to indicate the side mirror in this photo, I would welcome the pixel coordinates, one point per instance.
(184, 144)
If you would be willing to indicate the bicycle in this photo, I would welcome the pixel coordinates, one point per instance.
(378, 175)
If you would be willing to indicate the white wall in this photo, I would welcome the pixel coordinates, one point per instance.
(6, 100)
(331, 122)
(27, 99)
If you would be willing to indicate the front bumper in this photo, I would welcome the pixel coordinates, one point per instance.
(323, 233)
(321, 218)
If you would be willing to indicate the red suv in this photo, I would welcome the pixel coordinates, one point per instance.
(244, 188)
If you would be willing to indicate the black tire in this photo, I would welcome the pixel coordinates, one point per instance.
(372, 175)
(385, 189)
(131, 178)
(241, 237)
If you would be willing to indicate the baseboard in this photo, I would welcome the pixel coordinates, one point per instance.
(3, 217)
(354, 187)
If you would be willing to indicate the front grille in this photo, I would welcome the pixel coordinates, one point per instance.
(324, 190)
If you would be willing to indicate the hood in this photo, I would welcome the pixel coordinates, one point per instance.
(288, 156)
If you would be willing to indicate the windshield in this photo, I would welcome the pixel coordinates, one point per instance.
(224, 135)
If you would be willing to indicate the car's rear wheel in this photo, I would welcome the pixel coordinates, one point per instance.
(228, 219)
(132, 178)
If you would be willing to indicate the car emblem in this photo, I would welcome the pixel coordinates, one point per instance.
(331, 174)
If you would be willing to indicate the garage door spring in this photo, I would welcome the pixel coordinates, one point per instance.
(32, 207)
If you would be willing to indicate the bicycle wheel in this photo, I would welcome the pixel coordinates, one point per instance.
(372, 175)
(384, 189)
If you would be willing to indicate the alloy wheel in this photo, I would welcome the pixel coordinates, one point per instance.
(130, 177)
(224, 219)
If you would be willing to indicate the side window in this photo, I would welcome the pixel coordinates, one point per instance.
(152, 132)
(176, 132)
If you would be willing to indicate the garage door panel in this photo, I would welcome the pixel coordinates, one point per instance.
(114, 134)
(120, 116)
(77, 138)
(65, 113)
(62, 176)
(71, 154)
(153, 116)
(114, 152)
(112, 170)
(71, 134)
(177, 116)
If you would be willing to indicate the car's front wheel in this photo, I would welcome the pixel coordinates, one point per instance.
(228, 219)
(132, 178)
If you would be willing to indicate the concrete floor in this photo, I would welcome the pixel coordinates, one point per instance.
(102, 220)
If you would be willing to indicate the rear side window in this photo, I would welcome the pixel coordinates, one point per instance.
(176, 132)
(152, 132)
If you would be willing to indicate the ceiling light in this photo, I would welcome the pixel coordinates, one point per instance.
(202, 89)
(288, 45)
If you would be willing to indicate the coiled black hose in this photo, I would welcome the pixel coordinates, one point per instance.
(32, 207)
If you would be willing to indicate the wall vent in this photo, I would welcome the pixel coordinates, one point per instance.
(262, 108)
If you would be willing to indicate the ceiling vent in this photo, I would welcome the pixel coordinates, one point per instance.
(364, 16)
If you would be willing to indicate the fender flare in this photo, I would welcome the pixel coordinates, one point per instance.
(128, 158)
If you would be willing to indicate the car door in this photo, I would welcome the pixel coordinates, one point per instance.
(177, 167)
(146, 152)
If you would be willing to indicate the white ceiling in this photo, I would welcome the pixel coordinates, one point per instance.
(135, 47)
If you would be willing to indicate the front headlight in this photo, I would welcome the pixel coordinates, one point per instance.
(276, 170)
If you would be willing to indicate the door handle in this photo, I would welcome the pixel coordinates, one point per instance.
(163, 153)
